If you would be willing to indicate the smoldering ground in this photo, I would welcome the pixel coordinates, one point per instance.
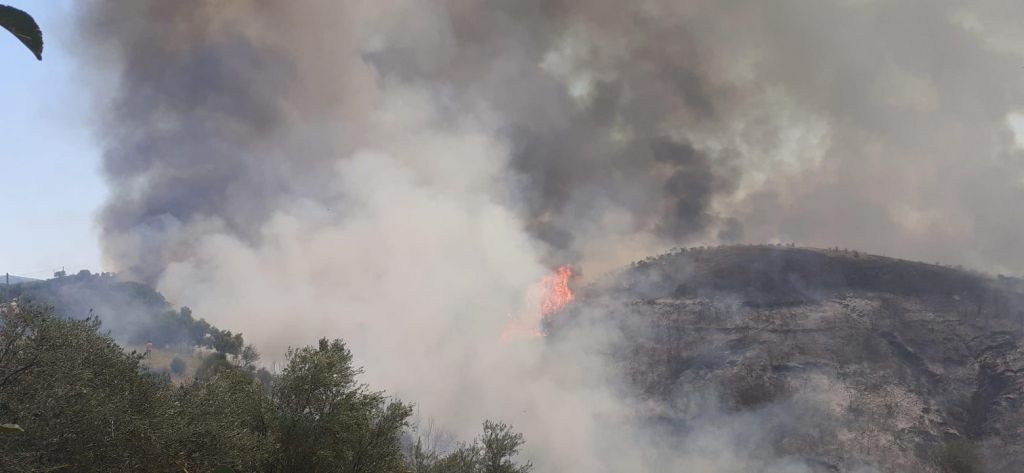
(397, 173)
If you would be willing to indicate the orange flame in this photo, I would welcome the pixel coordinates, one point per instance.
(557, 293)
(545, 298)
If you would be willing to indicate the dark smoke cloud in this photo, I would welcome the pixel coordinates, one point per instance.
(879, 125)
(202, 128)
(214, 120)
(594, 98)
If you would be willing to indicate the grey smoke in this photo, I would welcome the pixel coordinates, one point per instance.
(877, 125)
(202, 131)
(402, 170)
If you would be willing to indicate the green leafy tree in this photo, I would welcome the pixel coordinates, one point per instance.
(500, 445)
(72, 400)
(492, 452)
(226, 420)
(211, 365)
(465, 459)
(329, 422)
(83, 403)
(226, 342)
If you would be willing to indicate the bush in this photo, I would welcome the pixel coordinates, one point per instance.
(178, 366)
(212, 364)
(493, 452)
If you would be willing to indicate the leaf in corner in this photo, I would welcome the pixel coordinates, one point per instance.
(24, 27)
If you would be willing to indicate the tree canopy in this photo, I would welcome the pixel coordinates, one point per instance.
(71, 399)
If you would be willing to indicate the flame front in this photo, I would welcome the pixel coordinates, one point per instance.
(544, 299)
(557, 293)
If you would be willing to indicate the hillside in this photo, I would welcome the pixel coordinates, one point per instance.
(133, 313)
(846, 360)
(15, 279)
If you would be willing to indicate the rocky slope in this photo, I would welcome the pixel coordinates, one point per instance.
(846, 361)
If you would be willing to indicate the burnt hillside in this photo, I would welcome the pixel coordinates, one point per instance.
(848, 360)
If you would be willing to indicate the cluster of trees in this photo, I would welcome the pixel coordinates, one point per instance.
(72, 399)
(135, 313)
(492, 452)
(178, 327)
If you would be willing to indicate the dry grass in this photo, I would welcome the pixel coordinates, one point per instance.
(159, 361)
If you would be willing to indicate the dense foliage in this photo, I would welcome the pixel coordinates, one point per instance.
(86, 405)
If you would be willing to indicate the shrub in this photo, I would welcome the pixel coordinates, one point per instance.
(178, 366)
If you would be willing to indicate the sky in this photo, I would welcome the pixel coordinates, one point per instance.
(52, 186)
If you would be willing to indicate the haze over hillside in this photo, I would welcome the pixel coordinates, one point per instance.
(828, 360)
(134, 314)
(16, 279)
(765, 357)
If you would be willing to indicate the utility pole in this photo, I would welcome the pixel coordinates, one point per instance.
(7, 288)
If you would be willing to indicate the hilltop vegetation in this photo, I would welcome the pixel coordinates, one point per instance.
(769, 275)
(81, 403)
(134, 313)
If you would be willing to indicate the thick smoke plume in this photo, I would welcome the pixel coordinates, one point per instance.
(398, 172)
(879, 125)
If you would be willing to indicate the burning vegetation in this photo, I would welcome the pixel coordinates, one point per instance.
(544, 299)
(556, 291)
